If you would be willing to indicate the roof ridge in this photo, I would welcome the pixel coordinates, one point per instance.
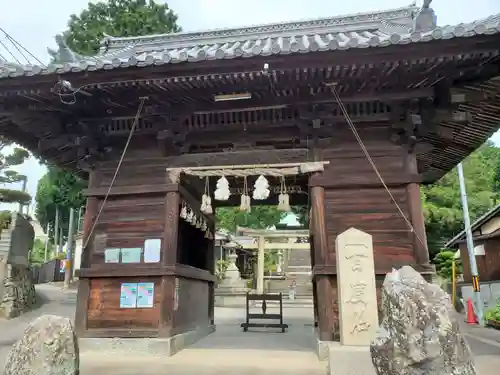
(110, 42)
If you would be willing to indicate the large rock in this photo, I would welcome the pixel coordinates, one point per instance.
(48, 347)
(418, 334)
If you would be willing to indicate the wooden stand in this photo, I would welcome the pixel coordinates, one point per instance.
(264, 315)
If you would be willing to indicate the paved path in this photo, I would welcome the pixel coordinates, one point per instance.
(228, 350)
(54, 301)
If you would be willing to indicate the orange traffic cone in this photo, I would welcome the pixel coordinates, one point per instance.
(471, 316)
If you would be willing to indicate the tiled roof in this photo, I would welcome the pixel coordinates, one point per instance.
(475, 226)
(364, 30)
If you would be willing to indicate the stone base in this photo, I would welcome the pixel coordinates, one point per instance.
(164, 347)
(228, 300)
(17, 292)
(322, 349)
(349, 360)
(230, 295)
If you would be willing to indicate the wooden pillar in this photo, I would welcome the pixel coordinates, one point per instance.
(324, 289)
(169, 254)
(210, 265)
(416, 215)
(313, 263)
(91, 210)
(260, 264)
(172, 211)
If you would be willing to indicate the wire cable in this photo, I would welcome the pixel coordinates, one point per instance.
(372, 163)
(9, 52)
(16, 43)
(132, 129)
(13, 42)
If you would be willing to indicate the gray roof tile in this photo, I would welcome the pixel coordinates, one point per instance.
(338, 33)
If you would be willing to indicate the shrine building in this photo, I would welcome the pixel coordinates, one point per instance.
(348, 115)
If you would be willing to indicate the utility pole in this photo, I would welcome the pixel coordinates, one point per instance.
(470, 247)
(47, 242)
(68, 275)
(24, 188)
(61, 240)
(79, 220)
(56, 230)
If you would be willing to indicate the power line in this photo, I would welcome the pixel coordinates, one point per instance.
(10, 53)
(18, 50)
(19, 47)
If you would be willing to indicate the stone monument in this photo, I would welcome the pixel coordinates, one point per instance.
(418, 334)
(17, 292)
(232, 290)
(357, 294)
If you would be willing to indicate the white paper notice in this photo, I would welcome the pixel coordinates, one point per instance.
(152, 250)
(112, 255)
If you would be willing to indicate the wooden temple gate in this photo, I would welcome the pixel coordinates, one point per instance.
(388, 89)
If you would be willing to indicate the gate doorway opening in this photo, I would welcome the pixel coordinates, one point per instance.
(229, 266)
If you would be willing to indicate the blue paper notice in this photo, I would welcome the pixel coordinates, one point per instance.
(145, 295)
(128, 296)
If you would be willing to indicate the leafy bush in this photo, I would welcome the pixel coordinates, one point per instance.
(493, 313)
(444, 263)
(5, 219)
(221, 267)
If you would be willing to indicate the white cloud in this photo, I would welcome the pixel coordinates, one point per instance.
(35, 23)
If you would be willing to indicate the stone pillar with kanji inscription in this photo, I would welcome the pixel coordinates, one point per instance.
(357, 294)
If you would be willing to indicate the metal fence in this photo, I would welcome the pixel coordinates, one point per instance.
(47, 272)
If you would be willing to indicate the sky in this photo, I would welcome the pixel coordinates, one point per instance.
(35, 23)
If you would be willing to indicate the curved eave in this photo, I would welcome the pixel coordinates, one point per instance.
(256, 47)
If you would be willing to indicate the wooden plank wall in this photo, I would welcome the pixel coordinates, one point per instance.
(193, 305)
(355, 197)
(126, 221)
(104, 310)
(488, 265)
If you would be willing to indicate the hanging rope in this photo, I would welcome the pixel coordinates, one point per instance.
(372, 163)
(132, 129)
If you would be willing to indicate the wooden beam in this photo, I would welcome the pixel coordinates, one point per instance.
(269, 102)
(269, 134)
(277, 246)
(273, 233)
(130, 190)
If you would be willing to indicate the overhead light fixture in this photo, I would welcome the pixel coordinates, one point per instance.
(228, 97)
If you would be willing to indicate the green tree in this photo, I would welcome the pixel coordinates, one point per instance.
(8, 159)
(260, 217)
(85, 31)
(119, 18)
(444, 264)
(441, 200)
(37, 255)
(302, 213)
(58, 188)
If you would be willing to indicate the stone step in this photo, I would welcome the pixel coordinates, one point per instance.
(299, 263)
(297, 302)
